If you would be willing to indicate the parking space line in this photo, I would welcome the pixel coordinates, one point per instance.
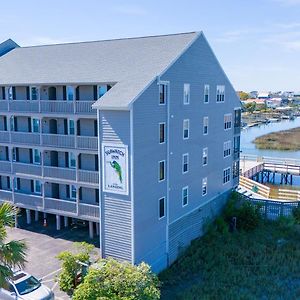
(51, 274)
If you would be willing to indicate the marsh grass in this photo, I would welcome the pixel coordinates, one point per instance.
(263, 263)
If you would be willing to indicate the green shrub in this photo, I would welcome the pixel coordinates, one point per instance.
(296, 214)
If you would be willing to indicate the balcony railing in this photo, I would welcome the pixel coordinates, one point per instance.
(28, 200)
(62, 173)
(24, 106)
(4, 137)
(4, 105)
(88, 210)
(87, 142)
(5, 195)
(84, 107)
(237, 130)
(59, 205)
(5, 166)
(25, 168)
(54, 106)
(88, 176)
(58, 140)
(25, 138)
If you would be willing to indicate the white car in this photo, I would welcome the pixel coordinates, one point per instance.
(23, 286)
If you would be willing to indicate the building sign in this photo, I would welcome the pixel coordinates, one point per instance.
(115, 168)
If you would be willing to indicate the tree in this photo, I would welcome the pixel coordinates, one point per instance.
(243, 95)
(13, 253)
(110, 279)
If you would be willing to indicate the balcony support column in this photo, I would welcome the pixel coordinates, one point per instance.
(58, 226)
(97, 229)
(28, 216)
(91, 229)
(66, 221)
(36, 215)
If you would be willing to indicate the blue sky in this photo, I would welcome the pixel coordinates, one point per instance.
(256, 41)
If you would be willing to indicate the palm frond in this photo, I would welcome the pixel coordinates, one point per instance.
(5, 273)
(13, 254)
(7, 214)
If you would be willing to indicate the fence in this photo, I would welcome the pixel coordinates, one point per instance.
(255, 187)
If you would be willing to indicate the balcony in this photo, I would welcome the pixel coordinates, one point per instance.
(59, 206)
(24, 106)
(58, 140)
(88, 176)
(4, 137)
(28, 201)
(237, 130)
(5, 166)
(55, 106)
(85, 107)
(25, 138)
(3, 105)
(62, 173)
(89, 211)
(87, 142)
(25, 168)
(6, 196)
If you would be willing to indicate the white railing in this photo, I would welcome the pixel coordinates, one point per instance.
(87, 142)
(62, 173)
(85, 107)
(4, 136)
(5, 196)
(27, 200)
(5, 166)
(61, 141)
(288, 195)
(88, 210)
(269, 159)
(25, 138)
(3, 105)
(254, 186)
(24, 106)
(88, 176)
(55, 106)
(59, 205)
(23, 168)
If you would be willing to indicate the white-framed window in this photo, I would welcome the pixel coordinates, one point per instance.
(35, 125)
(72, 160)
(206, 93)
(185, 163)
(204, 186)
(37, 187)
(36, 156)
(205, 156)
(227, 149)
(161, 171)
(185, 196)
(220, 93)
(205, 125)
(102, 89)
(70, 93)
(73, 191)
(162, 133)
(163, 93)
(186, 94)
(71, 127)
(34, 93)
(227, 121)
(226, 175)
(186, 129)
(161, 208)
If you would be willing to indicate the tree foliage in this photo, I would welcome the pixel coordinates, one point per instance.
(110, 279)
(243, 95)
(13, 253)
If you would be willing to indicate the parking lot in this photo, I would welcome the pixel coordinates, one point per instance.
(44, 244)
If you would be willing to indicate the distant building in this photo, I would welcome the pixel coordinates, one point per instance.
(263, 95)
(253, 94)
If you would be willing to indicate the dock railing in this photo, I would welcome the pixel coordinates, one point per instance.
(255, 187)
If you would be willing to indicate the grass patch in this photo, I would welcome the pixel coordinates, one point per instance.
(282, 140)
(263, 263)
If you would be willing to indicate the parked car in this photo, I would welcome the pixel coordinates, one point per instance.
(23, 286)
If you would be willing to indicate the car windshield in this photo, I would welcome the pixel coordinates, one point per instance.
(28, 285)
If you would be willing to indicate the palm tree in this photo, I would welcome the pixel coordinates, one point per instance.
(12, 254)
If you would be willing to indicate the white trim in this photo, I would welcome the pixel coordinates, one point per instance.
(188, 129)
(187, 196)
(204, 180)
(226, 169)
(205, 149)
(160, 218)
(221, 88)
(168, 173)
(131, 178)
(227, 145)
(161, 180)
(165, 92)
(182, 163)
(204, 119)
(227, 115)
(186, 92)
(162, 123)
(206, 85)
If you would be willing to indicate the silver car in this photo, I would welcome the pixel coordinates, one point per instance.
(23, 286)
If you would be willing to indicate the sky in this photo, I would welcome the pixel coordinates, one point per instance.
(256, 41)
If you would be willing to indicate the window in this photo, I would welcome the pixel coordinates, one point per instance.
(186, 93)
(70, 93)
(17, 184)
(236, 169)
(204, 186)
(185, 196)
(36, 156)
(34, 93)
(161, 175)
(227, 149)
(186, 129)
(237, 118)
(185, 163)
(71, 127)
(206, 93)
(14, 154)
(72, 160)
(162, 207)
(205, 125)
(162, 133)
(35, 125)
(220, 93)
(12, 123)
(226, 175)
(205, 156)
(73, 191)
(37, 187)
(227, 121)
(163, 88)
(10, 93)
(102, 89)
